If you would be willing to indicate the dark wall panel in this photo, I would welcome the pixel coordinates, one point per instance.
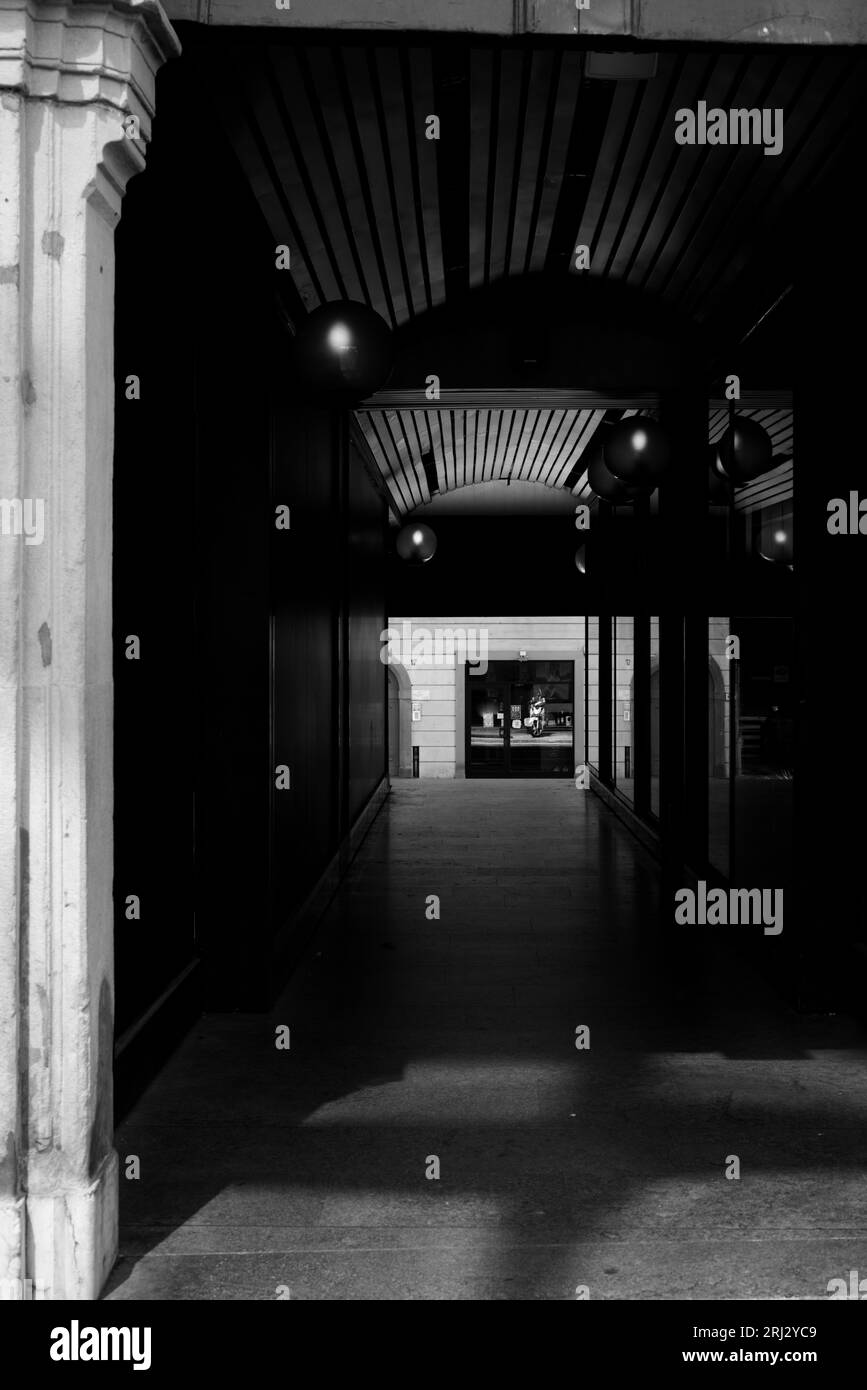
(154, 583)
(153, 587)
(231, 719)
(195, 322)
(244, 629)
(306, 605)
(367, 674)
(328, 605)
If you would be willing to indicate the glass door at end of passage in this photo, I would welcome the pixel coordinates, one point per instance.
(487, 725)
(521, 720)
(541, 732)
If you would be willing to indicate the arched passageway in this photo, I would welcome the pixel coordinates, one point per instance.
(235, 692)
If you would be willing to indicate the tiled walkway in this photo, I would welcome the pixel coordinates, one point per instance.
(302, 1173)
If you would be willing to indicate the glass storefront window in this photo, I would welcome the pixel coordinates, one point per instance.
(751, 719)
(622, 707)
(521, 719)
(722, 674)
(593, 693)
(654, 716)
(487, 731)
(765, 710)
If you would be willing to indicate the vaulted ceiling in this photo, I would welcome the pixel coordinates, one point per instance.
(535, 157)
(422, 455)
(473, 446)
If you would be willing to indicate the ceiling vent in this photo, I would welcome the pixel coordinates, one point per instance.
(617, 66)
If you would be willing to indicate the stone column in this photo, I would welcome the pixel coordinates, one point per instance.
(71, 76)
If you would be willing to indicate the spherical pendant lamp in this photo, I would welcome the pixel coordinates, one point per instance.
(776, 542)
(343, 352)
(606, 486)
(745, 451)
(416, 543)
(638, 451)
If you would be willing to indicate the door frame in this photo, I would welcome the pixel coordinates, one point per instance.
(576, 660)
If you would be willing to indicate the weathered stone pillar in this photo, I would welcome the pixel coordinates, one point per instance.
(70, 76)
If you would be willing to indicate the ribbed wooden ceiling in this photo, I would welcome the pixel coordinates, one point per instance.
(534, 158)
(466, 446)
(474, 446)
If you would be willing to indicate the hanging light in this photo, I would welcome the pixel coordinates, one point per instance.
(343, 351)
(638, 451)
(603, 482)
(745, 451)
(416, 543)
(776, 542)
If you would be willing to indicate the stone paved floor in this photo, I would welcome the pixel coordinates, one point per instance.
(304, 1170)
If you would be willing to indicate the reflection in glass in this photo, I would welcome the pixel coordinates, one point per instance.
(521, 719)
(541, 737)
(721, 690)
(654, 716)
(487, 734)
(593, 693)
(764, 785)
(751, 721)
(622, 711)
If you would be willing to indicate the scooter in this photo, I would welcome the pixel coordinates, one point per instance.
(537, 715)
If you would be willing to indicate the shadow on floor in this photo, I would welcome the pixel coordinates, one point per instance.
(304, 1171)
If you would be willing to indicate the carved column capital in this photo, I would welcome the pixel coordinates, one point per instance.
(103, 56)
(80, 51)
